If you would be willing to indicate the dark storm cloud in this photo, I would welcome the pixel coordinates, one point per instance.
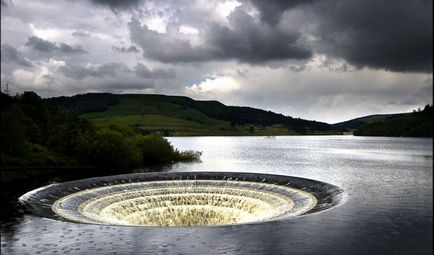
(80, 72)
(143, 72)
(130, 49)
(39, 44)
(272, 10)
(395, 36)
(117, 4)
(9, 55)
(263, 56)
(248, 40)
(379, 34)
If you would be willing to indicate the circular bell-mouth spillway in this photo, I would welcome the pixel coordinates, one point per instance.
(182, 199)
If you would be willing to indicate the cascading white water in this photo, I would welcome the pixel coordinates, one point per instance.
(182, 199)
(183, 203)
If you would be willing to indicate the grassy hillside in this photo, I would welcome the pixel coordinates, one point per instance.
(358, 122)
(416, 124)
(175, 115)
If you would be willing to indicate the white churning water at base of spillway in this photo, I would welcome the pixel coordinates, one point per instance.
(184, 203)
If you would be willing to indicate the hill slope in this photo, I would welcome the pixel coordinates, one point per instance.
(358, 122)
(37, 134)
(176, 115)
(416, 124)
(411, 124)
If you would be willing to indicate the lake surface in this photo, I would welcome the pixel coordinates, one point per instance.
(388, 207)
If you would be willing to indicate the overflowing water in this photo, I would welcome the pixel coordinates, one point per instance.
(182, 199)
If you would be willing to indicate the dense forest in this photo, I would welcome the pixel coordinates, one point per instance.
(416, 124)
(35, 132)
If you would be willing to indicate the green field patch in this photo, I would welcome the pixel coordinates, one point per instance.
(147, 121)
(150, 107)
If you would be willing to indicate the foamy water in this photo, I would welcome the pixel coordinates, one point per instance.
(182, 199)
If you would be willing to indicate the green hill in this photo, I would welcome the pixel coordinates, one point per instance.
(176, 115)
(39, 136)
(358, 122)
(416, 124)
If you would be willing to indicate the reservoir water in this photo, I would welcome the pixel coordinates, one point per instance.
(388, 208)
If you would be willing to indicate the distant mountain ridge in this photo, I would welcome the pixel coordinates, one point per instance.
(183, 114)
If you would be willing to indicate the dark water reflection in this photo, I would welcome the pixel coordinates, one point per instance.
(388, 209)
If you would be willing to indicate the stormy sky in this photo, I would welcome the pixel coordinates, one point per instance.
(327, 60)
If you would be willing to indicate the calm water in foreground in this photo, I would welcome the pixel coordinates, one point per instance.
(388, 207)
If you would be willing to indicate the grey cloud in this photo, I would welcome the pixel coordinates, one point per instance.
(80, 72)
(409, 101)
(80, 34)
(50, 47)
(40, 44)
(297, 68)
(48, 79)
(425, 93)
(10, 55)
(130, 49)
(255, 42)
(77, 72)
(429, 81)
(272, 10)
(395, 36)
(121, 86)
(391, 102)
(112, 68)
(66, 48)
(6, 3)
(164, 48)
(335, 65)
(391, 35)
(117, 4)
(143, 72)
(248, 40)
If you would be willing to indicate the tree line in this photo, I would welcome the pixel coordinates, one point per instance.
(35, 132)
(415, 124)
